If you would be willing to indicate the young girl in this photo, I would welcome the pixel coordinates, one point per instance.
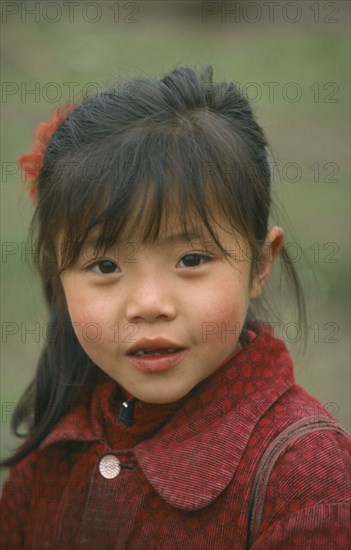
(164, 414)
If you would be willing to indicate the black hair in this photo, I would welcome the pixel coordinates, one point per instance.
(114, 166)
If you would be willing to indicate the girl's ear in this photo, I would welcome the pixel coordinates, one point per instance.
(270, 250)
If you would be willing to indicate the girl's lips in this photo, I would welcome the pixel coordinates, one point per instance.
(153, 344)
(157, 363)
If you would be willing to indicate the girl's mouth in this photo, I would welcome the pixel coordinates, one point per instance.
(156, 360)
(155, 352)
(155, 355)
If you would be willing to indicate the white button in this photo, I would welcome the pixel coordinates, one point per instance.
(109, 466)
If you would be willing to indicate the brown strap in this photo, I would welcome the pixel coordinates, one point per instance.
(269, 458)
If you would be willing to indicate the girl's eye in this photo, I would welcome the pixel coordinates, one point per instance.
(193, 260)
(105, 267)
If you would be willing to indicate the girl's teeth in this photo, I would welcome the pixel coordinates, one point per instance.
(154, 352)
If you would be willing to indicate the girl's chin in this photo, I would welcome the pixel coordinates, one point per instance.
(160, 396)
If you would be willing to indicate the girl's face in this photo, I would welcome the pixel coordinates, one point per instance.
(160, 318)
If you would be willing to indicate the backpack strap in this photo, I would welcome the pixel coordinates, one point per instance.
(270, 456)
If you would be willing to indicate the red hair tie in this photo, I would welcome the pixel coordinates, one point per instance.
(31, 163)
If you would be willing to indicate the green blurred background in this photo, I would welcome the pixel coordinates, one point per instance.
(290, 58)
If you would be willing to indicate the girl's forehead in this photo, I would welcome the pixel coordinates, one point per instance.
(176, 220)
(152, 210)
(173, 229)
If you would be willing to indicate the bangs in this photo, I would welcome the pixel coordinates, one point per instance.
(128, 186)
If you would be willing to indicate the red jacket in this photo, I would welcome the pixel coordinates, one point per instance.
(180, 478)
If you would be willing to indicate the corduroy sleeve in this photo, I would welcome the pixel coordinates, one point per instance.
(307, 503)
(18, 493)
(322, 527)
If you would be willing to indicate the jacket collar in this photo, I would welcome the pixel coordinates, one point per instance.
(193, 457)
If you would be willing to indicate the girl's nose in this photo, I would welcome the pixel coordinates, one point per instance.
(150, 302)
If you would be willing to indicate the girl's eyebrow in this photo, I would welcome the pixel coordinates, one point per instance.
(186, 237)
(92, 243)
